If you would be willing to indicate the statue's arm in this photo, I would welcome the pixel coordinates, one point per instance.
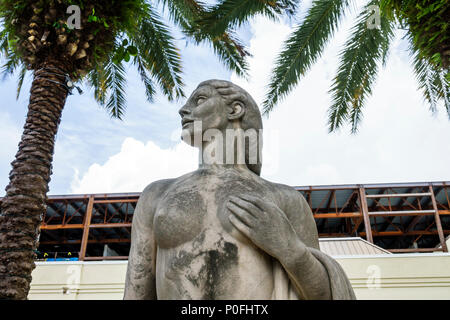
(305, 270)
(271, 229)
(140, 278)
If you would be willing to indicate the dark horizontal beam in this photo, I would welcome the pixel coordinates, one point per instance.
(411, 250)
(337, 215)
(106, 258)
(111, 225)
(81, 226)
(408, 213)
(398, 195)
(400, 233)
(299, 188)
(402, 213)
(374, 185)
(91, 241)
(61, 226)
(116, 201)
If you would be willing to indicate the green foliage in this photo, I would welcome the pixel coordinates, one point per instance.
(303, 48)
(357, 71)
(428, 25)
(232, 13)
(188, 14)
(114, 33)
(432, 80)
(159, 54)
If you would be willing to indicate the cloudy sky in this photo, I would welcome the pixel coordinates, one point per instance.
(399, 140)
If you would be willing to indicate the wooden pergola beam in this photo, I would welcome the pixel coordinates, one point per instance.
(365, 213)
(400, 233)
(87, 222)
(91, 241)
(438, 221)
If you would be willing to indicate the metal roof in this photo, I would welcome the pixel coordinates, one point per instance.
(399, 217)
(354, 246)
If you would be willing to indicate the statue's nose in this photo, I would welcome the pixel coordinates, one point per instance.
(184, 111)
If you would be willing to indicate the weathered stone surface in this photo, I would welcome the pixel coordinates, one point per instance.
(223, 232)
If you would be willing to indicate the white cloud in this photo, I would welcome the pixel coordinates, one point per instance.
(135, 166)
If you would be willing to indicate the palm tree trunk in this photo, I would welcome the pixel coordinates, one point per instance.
(25, 200)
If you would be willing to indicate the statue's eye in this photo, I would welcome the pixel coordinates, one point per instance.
(200, 100)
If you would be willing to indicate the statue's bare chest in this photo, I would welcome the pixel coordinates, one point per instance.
(200, 253)
(197, 205)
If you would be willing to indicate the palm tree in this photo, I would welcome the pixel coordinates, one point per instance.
(364, 51)
(38, 36)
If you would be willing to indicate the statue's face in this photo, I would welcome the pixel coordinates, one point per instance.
(205, 106)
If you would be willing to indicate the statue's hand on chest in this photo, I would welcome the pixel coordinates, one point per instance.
(187, 210)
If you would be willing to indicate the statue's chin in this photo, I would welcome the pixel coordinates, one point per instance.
(187, 137)
(191, 137)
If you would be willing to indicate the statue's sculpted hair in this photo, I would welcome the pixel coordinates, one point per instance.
(251, 119)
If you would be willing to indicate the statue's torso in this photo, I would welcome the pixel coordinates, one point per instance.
(200, 255)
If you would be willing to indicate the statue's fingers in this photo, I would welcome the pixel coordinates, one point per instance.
(246, 205)
(239, 225)
(256, 201)
(241, 213)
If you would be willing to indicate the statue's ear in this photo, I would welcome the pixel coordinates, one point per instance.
(237, 110)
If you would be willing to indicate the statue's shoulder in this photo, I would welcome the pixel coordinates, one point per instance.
(150, 195)
(297, 210)
(156, 188)
(289, 195)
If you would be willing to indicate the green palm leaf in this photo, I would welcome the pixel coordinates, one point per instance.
(116, 82)
(148, 83)
(184, 12)
(228, 48)
(358, 68)
(432, 81)
(97, 80)
(157, 49)
(12, 58)
(22, 74)
(232, 13)
(232, 53)
(303, 48)
(442, 83)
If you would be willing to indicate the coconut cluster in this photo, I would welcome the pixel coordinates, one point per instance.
(42, 30)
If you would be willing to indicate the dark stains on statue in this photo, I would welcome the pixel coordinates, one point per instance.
(218, 266)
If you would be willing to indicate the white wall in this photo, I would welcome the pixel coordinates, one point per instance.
(407, 276)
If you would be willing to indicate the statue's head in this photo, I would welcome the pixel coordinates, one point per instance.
(221, 105)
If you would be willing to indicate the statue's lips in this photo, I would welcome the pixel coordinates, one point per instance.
(185, 122)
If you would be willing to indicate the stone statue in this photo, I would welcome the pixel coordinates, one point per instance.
(223, 232)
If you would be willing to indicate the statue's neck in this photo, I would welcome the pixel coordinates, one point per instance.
(223, 149)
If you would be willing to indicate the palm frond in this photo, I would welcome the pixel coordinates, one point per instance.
(11, 57)
(184, 12)
(22, 74)
(4, 46)
(97, 79)
(303, 48)
(156, 47)
(116, 86)
(442, 83)
(148, 83)
(229, 14)
(229, 49)
(232, 53)
(432, 81)
(358, 68)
